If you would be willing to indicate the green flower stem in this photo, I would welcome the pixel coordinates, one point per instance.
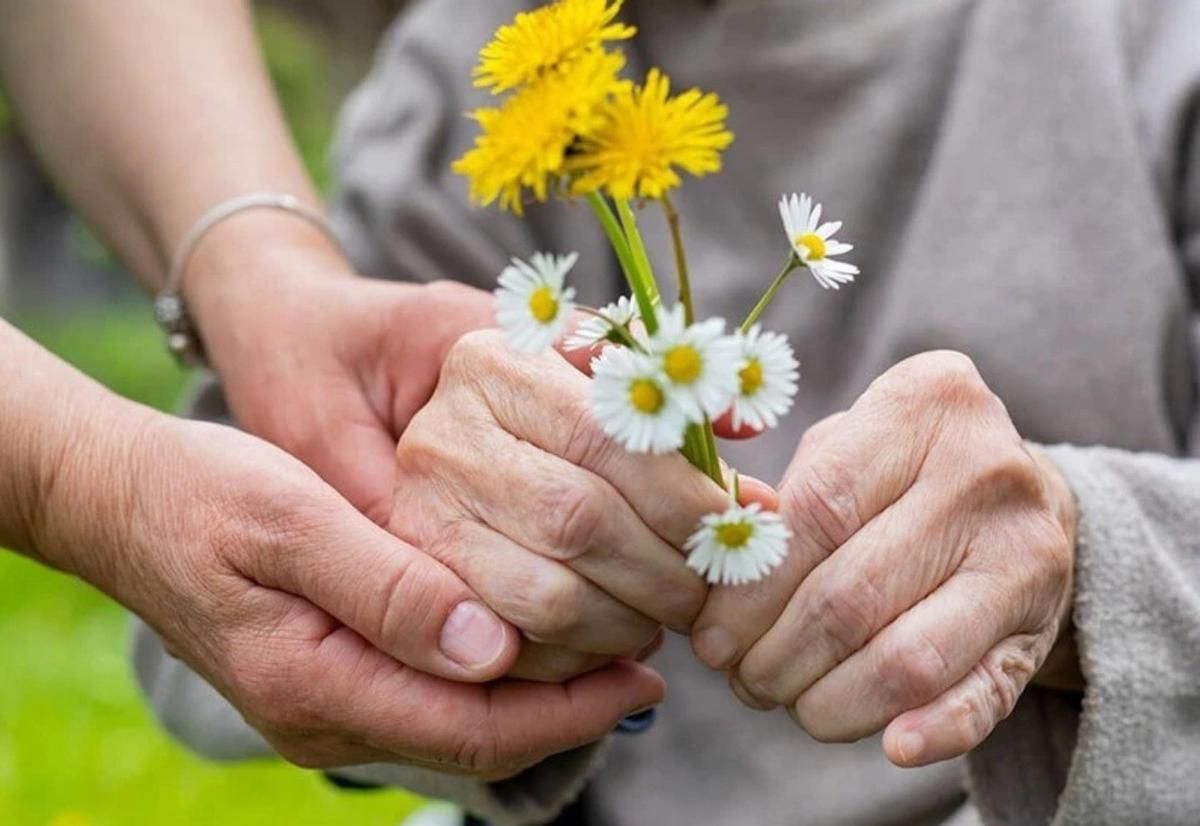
(637, 250)
(710, 458)
(681, 265)
(793, 264)
(643, 293)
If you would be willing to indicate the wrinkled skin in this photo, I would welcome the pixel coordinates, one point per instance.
(929, 578)
(507, 479)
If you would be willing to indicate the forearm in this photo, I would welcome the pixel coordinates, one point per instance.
(147, 113)
(56, 427)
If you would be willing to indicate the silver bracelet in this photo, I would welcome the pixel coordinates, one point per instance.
(169, 308)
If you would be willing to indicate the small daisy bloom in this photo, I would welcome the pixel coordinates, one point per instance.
(635, 403)
(532, 305)
(767, 378)
(741, 545)
(621, 313)
(814, 243)
(699, 361)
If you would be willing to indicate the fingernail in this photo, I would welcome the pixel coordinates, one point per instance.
(715, 647)
(910, 745)
(638, 721)
(473, 636)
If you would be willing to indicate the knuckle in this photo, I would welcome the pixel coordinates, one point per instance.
(553, 598)
(945, 378)
(849, 615)
(585, 443)
(912, 671)
(820, 726)
(479, 752)
(1010, 475)
(410, 593)
(419, 455)
(755, 676)
(472, 352)
(821, 501)
(681, 606)
(576, 516)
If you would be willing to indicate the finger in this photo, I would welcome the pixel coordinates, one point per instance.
(548, 601)
(896, 560)
(826, 497)
(963, 716)
(923, 653)
(401, 600)
(362, 706)
(723, 427)
(544, 401)
(354, 454)
(571, 516)
(544, 663)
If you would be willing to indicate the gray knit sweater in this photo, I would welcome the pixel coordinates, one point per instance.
(1022, 179)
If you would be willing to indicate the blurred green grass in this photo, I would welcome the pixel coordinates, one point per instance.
(77, 744)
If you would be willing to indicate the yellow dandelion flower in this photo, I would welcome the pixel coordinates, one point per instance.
(545, 38)
(644, 134)
(523, 144)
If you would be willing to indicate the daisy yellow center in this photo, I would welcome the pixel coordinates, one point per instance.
(752, 377)
(543, 306)
(735, 535)
(682, 364)
(645, 396)
(814, 243)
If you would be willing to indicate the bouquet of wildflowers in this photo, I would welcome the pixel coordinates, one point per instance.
(568, 125)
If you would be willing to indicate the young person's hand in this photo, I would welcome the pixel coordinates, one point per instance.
(929, 577)
(326, 364)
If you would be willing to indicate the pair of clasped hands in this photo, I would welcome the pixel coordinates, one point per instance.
(462, 572)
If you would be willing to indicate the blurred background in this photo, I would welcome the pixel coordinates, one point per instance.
(77, 747)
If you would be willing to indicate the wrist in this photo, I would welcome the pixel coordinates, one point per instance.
(247, 271)
(87, 472)
(1061, 670)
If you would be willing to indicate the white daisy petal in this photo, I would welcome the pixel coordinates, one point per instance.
(814, 242)
(594, 330)
(768, 379)
(532, 305)
(828, 229)
(741, 545)
(634, 402)
(699, 361)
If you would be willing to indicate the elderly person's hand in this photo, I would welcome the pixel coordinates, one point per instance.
(339, 642)
(507, 478)
(929, 577)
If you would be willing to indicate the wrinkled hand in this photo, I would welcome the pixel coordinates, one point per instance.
(339, 642)
(929, 577)
(506, 477)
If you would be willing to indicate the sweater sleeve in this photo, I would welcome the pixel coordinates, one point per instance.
(1128, 751)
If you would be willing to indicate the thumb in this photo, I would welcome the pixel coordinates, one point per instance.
(404, 602)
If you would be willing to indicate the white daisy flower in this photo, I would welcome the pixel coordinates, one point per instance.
(532, 305)
(768, 375)
(814, 243)
(741, 545)
(620, 313)
(635, 403)
(699, 361)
